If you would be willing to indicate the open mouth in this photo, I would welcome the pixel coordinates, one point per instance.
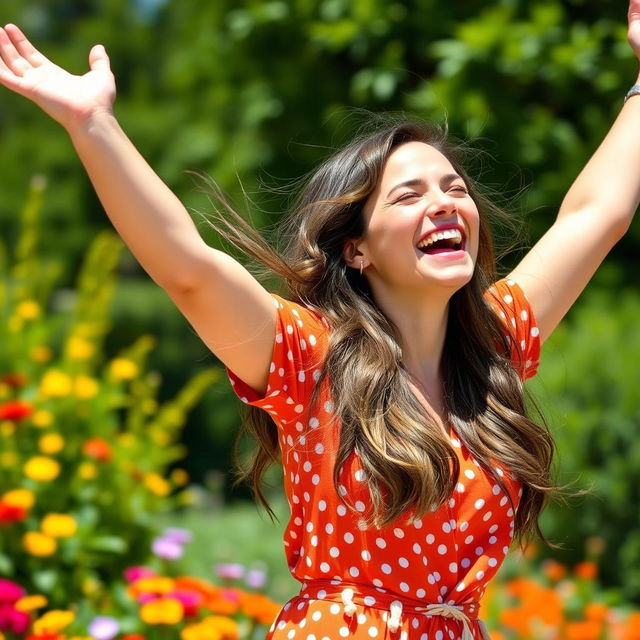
(442, 241)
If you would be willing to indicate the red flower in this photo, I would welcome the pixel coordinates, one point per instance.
(46, 636)
(133, 636)
(13, 621)
(98, 449)
(14, 380)
(9, 513)
(16, 410)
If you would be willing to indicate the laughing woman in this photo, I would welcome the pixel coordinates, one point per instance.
(388, 382)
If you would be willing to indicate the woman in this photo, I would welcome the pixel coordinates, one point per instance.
(390, 383)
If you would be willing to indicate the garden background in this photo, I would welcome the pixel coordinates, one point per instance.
(255, 93)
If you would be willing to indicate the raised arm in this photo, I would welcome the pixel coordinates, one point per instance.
(228, 308)
(594, 215)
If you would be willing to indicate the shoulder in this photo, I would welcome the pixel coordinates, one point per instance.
(509, 303)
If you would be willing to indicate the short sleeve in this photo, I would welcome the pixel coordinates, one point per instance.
(298, 350)
(510, 303)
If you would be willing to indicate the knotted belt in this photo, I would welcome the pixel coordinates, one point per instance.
(351, 595)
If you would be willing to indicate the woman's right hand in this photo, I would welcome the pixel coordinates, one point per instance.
(70, 100)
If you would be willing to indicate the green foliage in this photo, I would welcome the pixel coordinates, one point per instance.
(84, 444)
(589, 382)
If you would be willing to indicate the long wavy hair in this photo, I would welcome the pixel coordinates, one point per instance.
(407, 460)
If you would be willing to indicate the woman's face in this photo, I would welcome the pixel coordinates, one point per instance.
(421, 225)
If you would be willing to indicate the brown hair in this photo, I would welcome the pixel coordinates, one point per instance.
(405, 457)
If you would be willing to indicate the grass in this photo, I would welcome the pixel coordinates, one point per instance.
(237, 533)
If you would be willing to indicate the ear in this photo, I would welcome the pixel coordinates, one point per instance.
(353, 253)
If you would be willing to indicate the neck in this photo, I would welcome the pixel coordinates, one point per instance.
(421, 320)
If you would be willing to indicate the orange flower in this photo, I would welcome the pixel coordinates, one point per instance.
(98, 449)
(632, 631)
(587, 630)
(554, 570)
(263, 609)
(586, 570)
(596, 611)
(162, 611)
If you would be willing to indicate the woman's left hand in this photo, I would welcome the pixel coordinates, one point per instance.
(633, 34)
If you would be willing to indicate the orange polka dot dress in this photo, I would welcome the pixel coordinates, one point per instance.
(419, 578)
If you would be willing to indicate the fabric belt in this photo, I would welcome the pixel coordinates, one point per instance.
(352, 594)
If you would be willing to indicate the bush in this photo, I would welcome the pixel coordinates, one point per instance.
(590, 370)
(84, 446)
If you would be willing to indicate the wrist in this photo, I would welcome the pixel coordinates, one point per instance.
(91, 124)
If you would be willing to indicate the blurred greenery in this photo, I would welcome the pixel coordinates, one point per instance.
(255, 92)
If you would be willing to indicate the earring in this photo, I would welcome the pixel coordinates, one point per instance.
(361, 266)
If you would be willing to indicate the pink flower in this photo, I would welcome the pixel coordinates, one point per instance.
(166, 549)
(256, 579)
(13, 621)
(10, 591)
(104, 628)
(177, 535)
(230, 570)
(131, 574)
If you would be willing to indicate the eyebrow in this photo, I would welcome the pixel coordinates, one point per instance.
(448, 178)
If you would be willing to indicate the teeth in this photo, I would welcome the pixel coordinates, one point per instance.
(441, 235)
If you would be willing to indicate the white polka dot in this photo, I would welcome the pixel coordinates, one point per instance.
(315, 479)
(369, 601)
(354, 572)
(404, 587)
(314, 541)
(479, 551)
(508, 298)
(386, 568)
(460, 487)
(322, 505)
(398, 533)
(335, 608)
(381, 543)
(359, 475)
(348, 537)
(446, 527)
(524, 315)
(492, 562)
(403, 562)
(466, 563)
(328, 528)
(442, 549)
(373, 632)
(468, 540)
(535, 332)
(334, 552)
(328, 406)
(342, 510)
(360, 506)
(316, 616)
(479, 503)
(487, 516)
(417, 548)
(366, 556)
(344, 631)
(463, 526)
(480, 575)
(324, 567)
(470, 474)
(417, 523)
(312, 340)
(453, 567)
(362, 618)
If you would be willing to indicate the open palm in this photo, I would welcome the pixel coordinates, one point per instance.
(68, 99)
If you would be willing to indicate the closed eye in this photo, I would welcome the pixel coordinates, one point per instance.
(407, 196)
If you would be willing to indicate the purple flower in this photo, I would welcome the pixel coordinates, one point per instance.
(104, 628)
(179, 536)
(229, 570)
(256, 579)
(166, 548)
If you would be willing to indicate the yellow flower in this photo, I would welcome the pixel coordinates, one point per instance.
(187, 498)
(5, 390)
(162, 611)
(42, 419)
(180, 477)
(21, 498)
(124, 369)
(160, 437)
(90, 586)
(53, 622)
(8, 459)
(86, 387)
(59, 525)
(56, 384)
(39, 544)
(154, 584)
(87, 471)
(156, 484)
(79, 349)
(30, 603)
(225, 626)
(200, 631)
(41, 468)
(7, 429)
(41, 354)
(51, 443)
(29, 309)
(126, 440)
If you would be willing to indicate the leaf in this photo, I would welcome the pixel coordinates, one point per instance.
(108, 544)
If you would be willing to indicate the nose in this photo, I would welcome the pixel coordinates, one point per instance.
(441, 204)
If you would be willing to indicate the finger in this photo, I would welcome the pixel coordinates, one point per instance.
(10, 56)
(23, 46)
(98, 59)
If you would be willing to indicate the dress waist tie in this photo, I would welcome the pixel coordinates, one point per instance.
(380, 598)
